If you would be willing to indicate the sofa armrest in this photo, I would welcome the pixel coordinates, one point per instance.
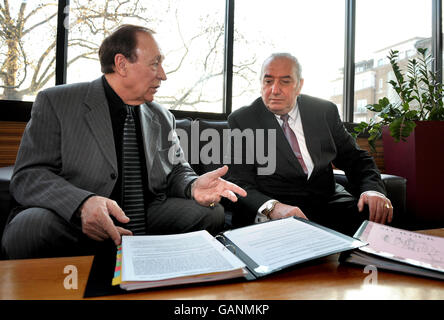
(5, 197)
(395, 186)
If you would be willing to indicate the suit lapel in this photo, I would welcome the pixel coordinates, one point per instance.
(99, 121)
(309, 126)
(150, 132)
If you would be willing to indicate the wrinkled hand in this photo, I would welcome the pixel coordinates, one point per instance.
(97, 223)
(282, 210)
(379, 206)
(210, 188)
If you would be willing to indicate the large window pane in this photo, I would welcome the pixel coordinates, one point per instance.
(190, 34)
(381, 26)
(313, 31)
(27, 47)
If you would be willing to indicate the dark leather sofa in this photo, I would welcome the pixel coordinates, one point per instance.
(396, 186)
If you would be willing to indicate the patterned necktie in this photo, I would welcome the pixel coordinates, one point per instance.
(291, 137)
(133, 203)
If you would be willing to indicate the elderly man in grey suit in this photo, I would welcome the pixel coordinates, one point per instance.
(75, 176)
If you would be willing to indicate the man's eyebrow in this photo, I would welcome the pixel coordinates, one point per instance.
(158, 58)
(283, 77)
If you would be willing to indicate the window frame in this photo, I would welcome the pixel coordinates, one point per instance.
(20, 110)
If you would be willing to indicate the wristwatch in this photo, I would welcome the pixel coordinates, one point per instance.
(269, 208)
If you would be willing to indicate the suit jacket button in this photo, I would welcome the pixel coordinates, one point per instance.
(113, 176)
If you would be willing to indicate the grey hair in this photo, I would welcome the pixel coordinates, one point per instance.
(296, 65)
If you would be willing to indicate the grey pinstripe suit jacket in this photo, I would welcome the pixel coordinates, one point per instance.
(67, 151)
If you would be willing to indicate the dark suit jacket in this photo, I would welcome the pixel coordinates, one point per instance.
(328, 143)
(67, 152)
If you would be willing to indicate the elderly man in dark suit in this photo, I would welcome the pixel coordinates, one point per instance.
(310, 137)
(100, 159)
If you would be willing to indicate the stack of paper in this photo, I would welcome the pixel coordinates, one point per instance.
(399, 250)
(154, 261)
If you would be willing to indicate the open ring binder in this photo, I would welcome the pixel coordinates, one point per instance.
(250, 252)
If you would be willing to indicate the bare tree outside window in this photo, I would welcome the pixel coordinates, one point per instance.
(190, 33)
(89, 23)
(27, 47)
(28, 39)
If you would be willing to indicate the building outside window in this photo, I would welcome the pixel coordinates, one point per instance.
(361, 110)
(404, 31)
(403, 25)
(360, 107)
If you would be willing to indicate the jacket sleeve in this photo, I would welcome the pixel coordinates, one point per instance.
(36, 180)
(358, 165)
(181, 175)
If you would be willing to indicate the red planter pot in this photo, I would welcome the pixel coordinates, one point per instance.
(420, 160)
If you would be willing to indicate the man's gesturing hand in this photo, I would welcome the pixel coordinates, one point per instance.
(97, 223)
(210, 187)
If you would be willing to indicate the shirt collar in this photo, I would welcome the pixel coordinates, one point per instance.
(113, 99)
(293, 114)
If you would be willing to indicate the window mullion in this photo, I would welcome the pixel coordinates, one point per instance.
(62, 42)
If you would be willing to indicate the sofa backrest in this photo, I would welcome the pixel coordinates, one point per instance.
(203, 142)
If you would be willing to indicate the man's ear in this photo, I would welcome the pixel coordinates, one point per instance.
(120, 63)
(300, 84)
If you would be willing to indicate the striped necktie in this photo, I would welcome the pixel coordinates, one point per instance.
(291, 137)
(133, 203)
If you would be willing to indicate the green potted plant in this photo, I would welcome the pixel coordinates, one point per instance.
(412, 130)
(420, 99)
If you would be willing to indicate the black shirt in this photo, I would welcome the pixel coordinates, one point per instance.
(118, 111)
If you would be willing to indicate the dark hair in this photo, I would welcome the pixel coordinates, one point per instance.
(124, 41)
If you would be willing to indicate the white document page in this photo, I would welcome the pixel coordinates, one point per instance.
(150, 258)
(273, 245)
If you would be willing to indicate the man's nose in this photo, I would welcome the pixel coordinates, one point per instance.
(275, 89)
(161, 74)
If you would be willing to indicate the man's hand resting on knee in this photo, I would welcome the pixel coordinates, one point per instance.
(282, 210)
(97, 223)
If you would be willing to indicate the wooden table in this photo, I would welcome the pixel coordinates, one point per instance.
(320, 280)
